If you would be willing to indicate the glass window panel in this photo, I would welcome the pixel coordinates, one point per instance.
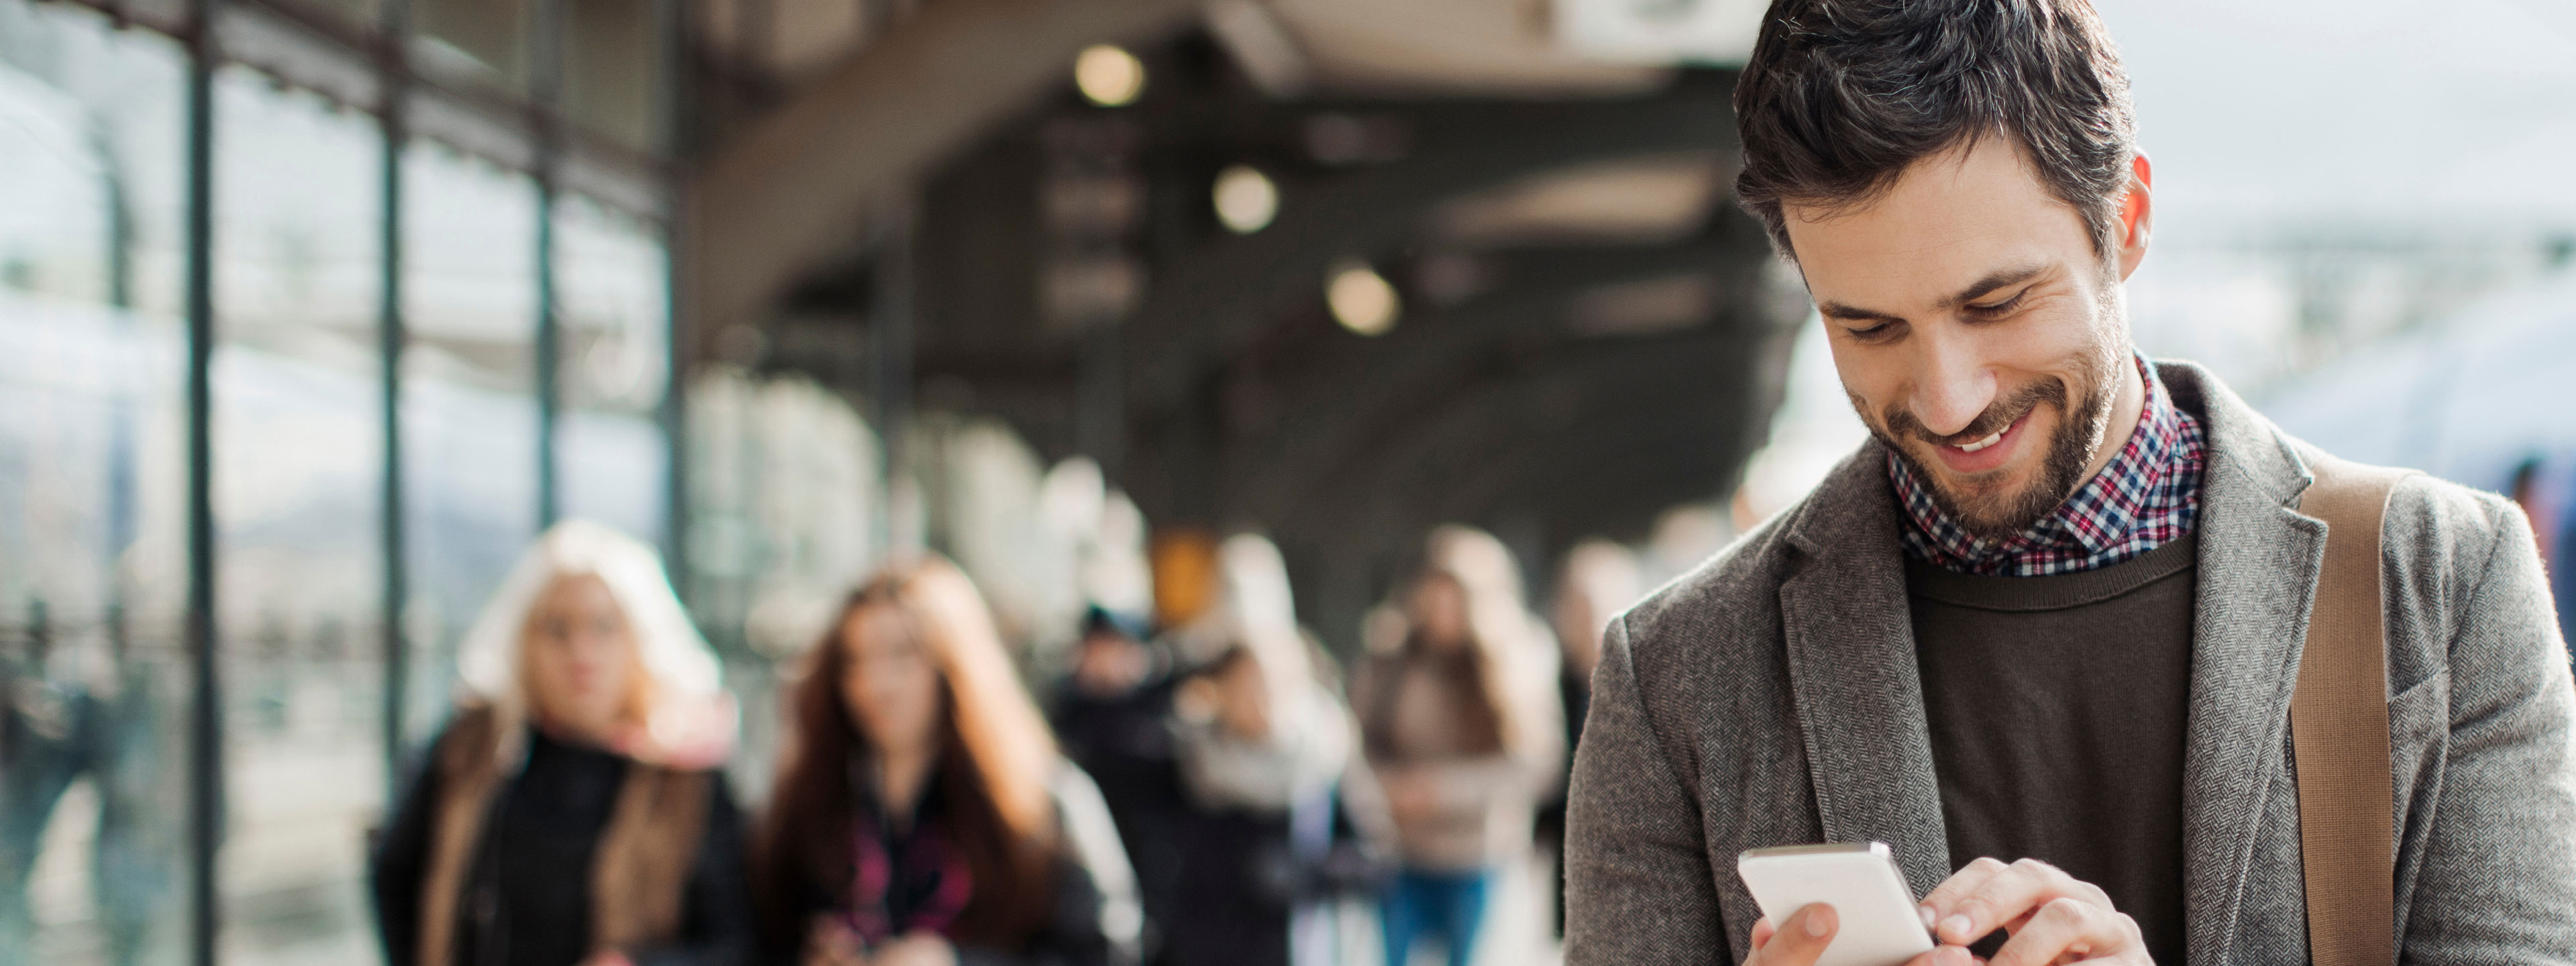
(93, 682)
(783, 516)
(298, 459)
(612, 300)
(469, 403)
(613, 471)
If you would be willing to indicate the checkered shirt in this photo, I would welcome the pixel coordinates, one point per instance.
(2149, 494)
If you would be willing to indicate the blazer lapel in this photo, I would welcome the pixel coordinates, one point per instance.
(1859, 695)
(2258, 568)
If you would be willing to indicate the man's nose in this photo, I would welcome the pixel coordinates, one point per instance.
(1951, 387)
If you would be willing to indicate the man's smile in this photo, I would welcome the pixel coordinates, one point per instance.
(1988, 454)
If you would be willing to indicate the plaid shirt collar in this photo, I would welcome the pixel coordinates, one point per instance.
(2148, 495)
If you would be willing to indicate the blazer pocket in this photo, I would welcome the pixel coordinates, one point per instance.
(2421, 714)
(2419, 732)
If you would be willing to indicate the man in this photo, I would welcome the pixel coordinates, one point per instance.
(2039, 634)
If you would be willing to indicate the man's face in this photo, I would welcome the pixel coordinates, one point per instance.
(1977, 331)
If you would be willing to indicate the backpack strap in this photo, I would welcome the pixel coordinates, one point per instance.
(2339, 726)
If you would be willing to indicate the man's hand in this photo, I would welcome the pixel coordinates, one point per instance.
(2052, 916)
(1811, 929)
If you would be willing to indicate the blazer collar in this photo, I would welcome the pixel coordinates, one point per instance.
(2258, 568)
(1859, 695)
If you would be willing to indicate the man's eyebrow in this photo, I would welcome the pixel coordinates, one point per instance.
(1994, 280)
(1853, 313)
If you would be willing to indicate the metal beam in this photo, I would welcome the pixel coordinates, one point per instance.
(390, 340)
(786, 194)
(206, 715)
(672, 413)
(545, 89)
(1222, 296)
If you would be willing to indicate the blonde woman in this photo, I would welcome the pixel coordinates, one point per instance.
(923, 816)
(569, 813)
(1460, 720)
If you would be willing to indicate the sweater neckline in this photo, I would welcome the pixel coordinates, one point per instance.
(2176, 557)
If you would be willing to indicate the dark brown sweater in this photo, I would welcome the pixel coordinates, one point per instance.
(2057, 709)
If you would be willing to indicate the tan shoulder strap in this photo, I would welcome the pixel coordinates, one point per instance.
(2339, 726)
(641, 872)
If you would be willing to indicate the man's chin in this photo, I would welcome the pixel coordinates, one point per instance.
(1993, 504)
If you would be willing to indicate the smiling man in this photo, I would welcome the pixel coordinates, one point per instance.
(2040, 634)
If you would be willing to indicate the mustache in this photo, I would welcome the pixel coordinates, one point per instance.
(1901, 424)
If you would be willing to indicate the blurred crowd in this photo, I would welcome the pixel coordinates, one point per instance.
(1222, 791)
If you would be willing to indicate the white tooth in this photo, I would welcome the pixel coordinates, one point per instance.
(1983, 443)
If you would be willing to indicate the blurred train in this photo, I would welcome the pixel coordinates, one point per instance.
(2482, 398)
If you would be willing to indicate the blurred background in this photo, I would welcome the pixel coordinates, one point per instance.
(314, 312)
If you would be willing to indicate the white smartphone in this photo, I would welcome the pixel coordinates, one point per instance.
(1879, 924)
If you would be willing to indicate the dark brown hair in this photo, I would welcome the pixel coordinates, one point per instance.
(1502, 638)
(1841, 95)
(994, 758)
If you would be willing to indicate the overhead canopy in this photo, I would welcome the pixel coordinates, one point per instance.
(1587, 332)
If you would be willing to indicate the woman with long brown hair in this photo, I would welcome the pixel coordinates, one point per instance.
(1459, 719)
(922, 815)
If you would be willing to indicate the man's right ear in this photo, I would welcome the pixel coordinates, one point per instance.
(2137, 215)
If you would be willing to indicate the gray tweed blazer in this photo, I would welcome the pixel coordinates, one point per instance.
(1770, 698)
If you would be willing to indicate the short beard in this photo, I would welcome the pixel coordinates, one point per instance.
(2003, 515)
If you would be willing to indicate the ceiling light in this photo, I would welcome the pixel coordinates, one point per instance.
(1361, 299)
(1245, 199)
(1108, 75)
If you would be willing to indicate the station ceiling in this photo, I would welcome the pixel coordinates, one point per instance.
(1591, 332)
(908, 200)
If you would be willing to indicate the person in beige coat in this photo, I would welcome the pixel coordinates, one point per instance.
(1460, 722)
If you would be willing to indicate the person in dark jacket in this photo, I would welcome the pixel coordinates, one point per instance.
(570, 814)
(1112, 716)
(1286, 819)
(923, 816)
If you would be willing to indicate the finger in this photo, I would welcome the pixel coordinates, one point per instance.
(2009, 896)
(2072, 888)
(1959, 885)
(1945, 956)
(2068, 928)
(1762, 931)
(1800, 940)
